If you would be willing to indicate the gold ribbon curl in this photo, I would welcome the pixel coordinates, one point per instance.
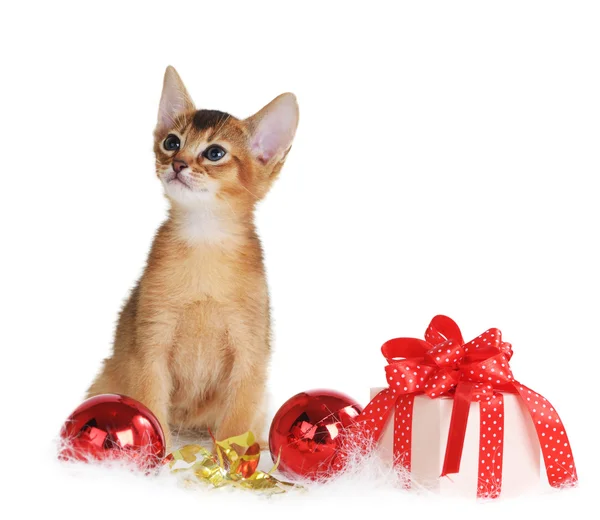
(234, 462)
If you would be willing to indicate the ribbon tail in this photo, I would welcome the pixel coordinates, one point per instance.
(458, 427)
(491, 440)
(552, 435)
(363, 435)
(372, 420)
(403, 415)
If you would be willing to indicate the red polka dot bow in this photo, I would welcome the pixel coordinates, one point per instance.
(478, 371)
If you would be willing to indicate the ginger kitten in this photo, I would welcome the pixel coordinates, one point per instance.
(192, 341)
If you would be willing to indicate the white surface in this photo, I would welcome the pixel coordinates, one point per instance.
(446, 161)
(431, 422)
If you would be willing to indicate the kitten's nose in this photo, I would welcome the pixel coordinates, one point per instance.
(179, 165)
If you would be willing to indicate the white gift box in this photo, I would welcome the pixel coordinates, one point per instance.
(431, 422)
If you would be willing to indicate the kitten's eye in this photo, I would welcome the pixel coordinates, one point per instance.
(214, 153)
(171, 143)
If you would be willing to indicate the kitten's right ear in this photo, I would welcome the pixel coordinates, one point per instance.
(174, 100)
(273, 128)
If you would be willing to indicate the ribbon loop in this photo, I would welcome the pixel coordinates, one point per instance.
(442, 328)
(404, 348)
(442, 383)
(447, 354)
(408, 376)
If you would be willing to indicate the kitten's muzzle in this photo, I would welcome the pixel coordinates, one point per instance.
(179, 165)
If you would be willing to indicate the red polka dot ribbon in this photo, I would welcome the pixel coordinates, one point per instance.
(477, 371)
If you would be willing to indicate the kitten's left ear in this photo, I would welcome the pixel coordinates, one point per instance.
(273, 128)
(174, 100)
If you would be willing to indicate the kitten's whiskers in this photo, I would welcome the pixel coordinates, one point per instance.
(254, 195)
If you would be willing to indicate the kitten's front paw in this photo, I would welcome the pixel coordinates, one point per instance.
(167, 436)
(168, 442)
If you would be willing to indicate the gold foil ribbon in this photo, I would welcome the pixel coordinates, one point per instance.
(234, 462)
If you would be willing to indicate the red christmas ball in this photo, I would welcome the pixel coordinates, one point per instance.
(307, 432)
(113, 427)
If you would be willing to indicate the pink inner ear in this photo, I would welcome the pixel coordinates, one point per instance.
(275, 131)
(266, 144)
(173, 101)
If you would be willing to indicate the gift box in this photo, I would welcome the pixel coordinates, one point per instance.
(457, 420)
(431, 423)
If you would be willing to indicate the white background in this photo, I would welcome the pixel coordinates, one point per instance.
(446, 162)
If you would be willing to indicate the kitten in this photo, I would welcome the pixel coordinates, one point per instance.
(192, 341)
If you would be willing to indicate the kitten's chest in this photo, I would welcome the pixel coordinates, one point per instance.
(205, 275)
(202, 227)
(201, 356)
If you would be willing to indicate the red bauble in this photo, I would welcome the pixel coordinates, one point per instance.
(116, 427)
(308, 430)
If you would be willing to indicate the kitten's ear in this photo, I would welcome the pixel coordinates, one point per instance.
(273, 128)
(174, 99)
